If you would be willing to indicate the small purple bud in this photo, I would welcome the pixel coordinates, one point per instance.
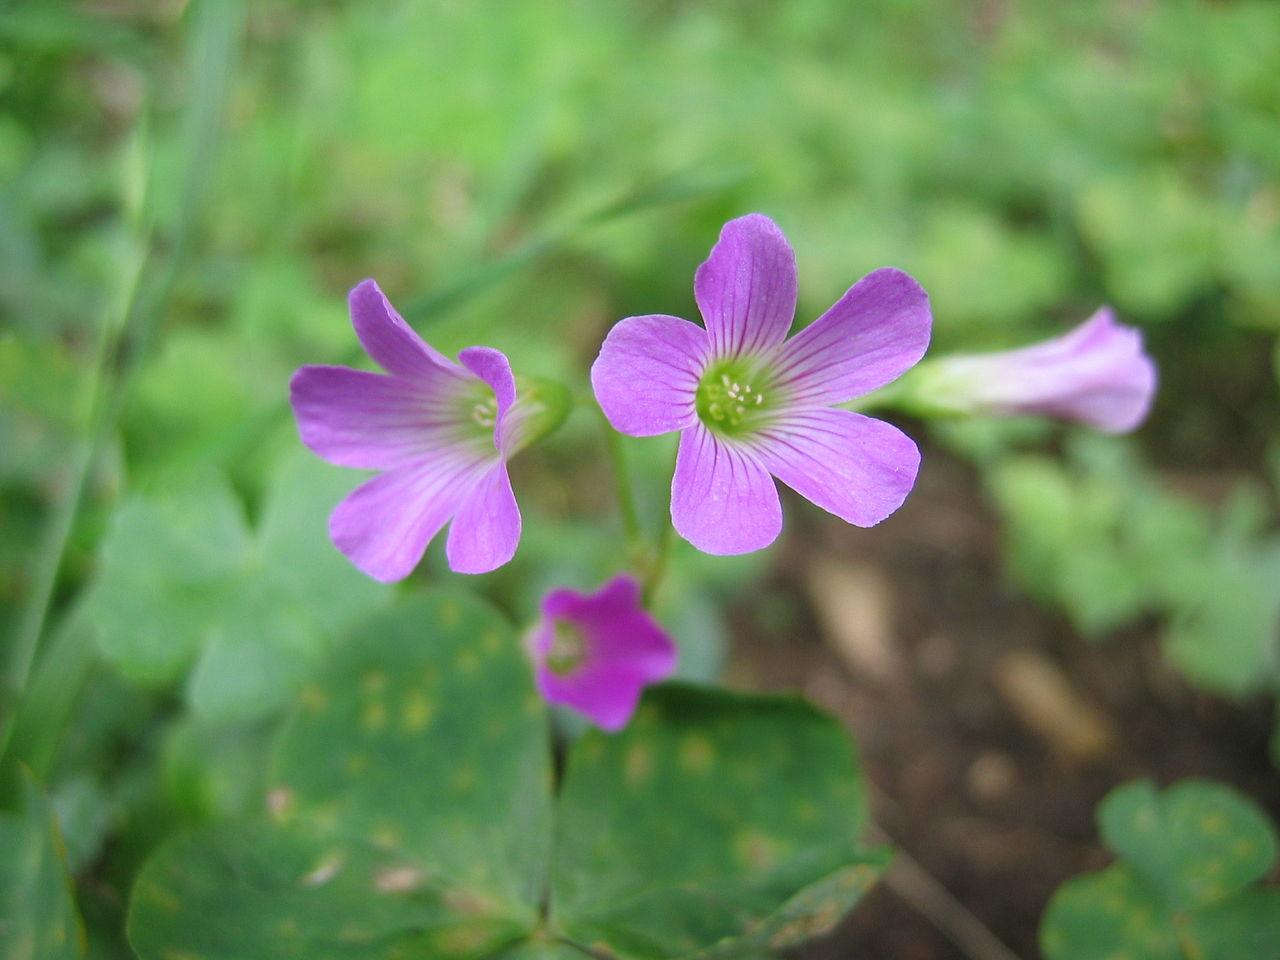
(597, 652)
(1097, 374)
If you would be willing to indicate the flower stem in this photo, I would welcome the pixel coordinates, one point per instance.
(658, 568)
(31, 738)
(890, 396)
(622, 483)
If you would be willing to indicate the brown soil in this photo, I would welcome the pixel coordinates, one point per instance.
(981, 772)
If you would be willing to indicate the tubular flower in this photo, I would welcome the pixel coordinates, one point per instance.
(440, 432)
(752, 405)
(1097, 374)
(596, 653)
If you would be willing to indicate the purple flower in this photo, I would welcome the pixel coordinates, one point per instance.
(596, 653)
(750, 404)
(1096, 374)
(440, 433)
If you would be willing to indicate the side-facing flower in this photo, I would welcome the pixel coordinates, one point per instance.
(597, 652)
(752, 405)
(1097, 374)
(440, 432)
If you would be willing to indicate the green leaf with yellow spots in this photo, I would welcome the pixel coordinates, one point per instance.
(1108, 915)
(716, 825)
(409, 815)
(408, 812)
(1184, 886)
(1197, 842)
(37, 913)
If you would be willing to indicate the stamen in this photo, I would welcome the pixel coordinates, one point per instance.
(485, 413)
(568, 648)
(729, 404)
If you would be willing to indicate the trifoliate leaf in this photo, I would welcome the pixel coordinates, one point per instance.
(184, 584)
(1182, 889)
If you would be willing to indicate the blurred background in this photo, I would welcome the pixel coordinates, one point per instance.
(188, 190)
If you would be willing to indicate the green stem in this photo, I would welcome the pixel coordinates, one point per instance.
(658, 568)
(33, 735)
(887, 397)
(622, 484)
(44, 576)
(35, 611)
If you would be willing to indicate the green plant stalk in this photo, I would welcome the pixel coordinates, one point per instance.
(51, 695)
(652, 558)
(622, 483)
(658, 568)
(48, 560)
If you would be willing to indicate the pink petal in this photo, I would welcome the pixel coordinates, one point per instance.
(1098, 374)
(358, 419)
(486, 529)
(607, 695)
(858, 468)
(493, 367)
(647, 374)
(746, 289)
(872, 335)
(385, 524)
(723, 500)
(620, 629)
(390, 341)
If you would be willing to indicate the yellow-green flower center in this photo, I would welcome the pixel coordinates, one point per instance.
(484, 412)
(733, 398)
(477, 413)
(568, 648)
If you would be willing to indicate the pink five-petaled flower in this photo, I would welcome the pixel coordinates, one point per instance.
(440, 432)
(596, 653)
(750, 404)
(1096, 374)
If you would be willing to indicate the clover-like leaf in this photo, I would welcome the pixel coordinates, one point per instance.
(166, 565)
(1223, 633)
(1182, 888)
(409, 810)
(715, 822)
(1197, 842)
(1246, 925)
(37, 914)
(184, 584)
(1105, 914)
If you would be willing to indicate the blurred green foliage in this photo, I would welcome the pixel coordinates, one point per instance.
(1105, 539)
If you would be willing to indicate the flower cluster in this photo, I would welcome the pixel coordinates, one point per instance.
(750, 404)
